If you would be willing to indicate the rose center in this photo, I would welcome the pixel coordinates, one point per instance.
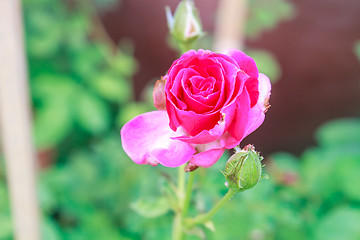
(202, 86)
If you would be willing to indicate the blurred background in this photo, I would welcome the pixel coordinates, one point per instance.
(92, 65)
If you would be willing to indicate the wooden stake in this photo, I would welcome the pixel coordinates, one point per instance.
(230, 25)
(16, 125)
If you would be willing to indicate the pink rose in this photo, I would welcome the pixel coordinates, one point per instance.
(212, 102)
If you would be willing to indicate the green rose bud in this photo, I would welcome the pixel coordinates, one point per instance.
(243, 169)
(185, 25)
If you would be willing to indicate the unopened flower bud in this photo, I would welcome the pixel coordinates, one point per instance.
(159, 94)
(243, 169)
(185, 25)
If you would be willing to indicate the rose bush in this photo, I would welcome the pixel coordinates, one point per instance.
(212, 102)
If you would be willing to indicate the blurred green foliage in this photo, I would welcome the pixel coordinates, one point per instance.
(313, 196)
(79, 79)
(265, 15)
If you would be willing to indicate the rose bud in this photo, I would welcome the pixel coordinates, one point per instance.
(185, 25)
(159, 95)
(243, 169)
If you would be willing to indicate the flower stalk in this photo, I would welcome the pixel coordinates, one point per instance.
(178, 220)
(184, 197)
(188, 194)
(203, 218)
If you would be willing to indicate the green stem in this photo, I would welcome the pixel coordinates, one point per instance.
(185, 46)
(178, 220)
(188, 194)
(177, 228)
(203, 218)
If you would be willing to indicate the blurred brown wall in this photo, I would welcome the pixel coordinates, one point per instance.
(320, 72)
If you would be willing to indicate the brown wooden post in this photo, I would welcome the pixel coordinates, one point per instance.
(15, 124)
(230, 25)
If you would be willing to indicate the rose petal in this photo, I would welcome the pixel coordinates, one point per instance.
(188, 97)
(238, 127)
(208, 154)
(147, 140)
(264, 91)
(221, 85)
(175, 92)
(230, 73)
(178, 63)
(204, 61)
(228, 141)
(201, 71)
(194, 104)
(209, 100)
(206, 136)
(193, 123)
(230, 108)
(252, 86)
(208, 158)
(188, 54)
(241, 79)
(246, 63)
(171, 111)
(257, 113)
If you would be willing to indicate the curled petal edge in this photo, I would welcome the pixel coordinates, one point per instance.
(208, 154)
(257, 113)
(147, 139)
(208, 158)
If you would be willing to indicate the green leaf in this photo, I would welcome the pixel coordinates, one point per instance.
(168, 189)
(339, 132)
(210, 225)
(289, 222)
(46, 197)
(46, 31)
(6, 226)
(76, 28)
(264, 14)
(340, 223)
(49, 230)
(88, 59)
(50, 86)
(52, 124)
(123, 63)
(151, 207)
(4, 197)
(316, 179)
(83, 168)
(54, 115)
(92, 113)
(347, 174)
(116, 89)
(197, 232)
